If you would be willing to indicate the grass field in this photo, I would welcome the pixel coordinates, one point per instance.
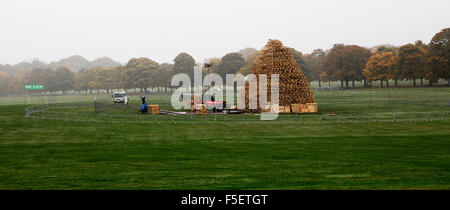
(57, 154)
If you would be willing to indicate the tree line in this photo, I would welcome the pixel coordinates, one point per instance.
(344, 63)
(418, 61)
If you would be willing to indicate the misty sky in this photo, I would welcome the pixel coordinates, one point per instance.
(54, 29)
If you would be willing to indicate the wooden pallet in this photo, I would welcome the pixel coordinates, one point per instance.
(305, 108)
(153, 109)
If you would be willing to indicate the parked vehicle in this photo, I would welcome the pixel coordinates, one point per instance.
(120, 97)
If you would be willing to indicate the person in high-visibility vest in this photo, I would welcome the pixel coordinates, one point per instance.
(143, 108)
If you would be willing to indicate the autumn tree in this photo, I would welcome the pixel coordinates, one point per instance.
(439, 55)
(382, 49)
(333, 68)
(42, 76)
(4, 81)
(435, 66)
(16, 85)
(51, 83)
(38, 76)
(315, 62)
(379, 67)
(213, 64)
(163, 75)
(230, 64)
(301, 61)
(106, 78)
(127, 78)
(423, 71)
(395, 73)
(64, 79)
(85, 80)
(244, 70)
(141, 72)
(246, 52)
(355, 60)
(346, 63)
(411, 62)
(184, 64)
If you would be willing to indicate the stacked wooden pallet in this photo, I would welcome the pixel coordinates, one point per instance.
(305, 108)
(284, 109)
(153, 109)
(293, 108)
(294, 88)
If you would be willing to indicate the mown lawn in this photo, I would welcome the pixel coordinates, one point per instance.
(50, 154)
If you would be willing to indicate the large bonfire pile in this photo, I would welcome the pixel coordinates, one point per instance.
(294, 89)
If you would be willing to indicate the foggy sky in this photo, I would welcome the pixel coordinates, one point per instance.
(55, 29)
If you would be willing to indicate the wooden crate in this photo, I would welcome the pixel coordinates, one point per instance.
(153, 109)
(285, 109)
(303, 109)
(295, 108)
(299, 108)
(312, 107)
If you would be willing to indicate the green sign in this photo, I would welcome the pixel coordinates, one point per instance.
(34, 87)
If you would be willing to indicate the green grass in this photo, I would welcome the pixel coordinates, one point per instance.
(52, 154)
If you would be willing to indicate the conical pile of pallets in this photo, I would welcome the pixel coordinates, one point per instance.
(294, 88)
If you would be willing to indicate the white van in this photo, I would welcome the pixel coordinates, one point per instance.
(120, 97)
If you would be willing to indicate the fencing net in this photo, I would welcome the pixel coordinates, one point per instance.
(334, 107)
